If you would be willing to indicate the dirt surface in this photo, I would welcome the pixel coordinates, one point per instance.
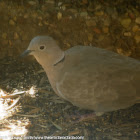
(113, 25)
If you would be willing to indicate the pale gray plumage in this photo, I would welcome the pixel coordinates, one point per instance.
(89, 77)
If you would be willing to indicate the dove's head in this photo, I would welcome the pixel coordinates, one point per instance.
(45, 50)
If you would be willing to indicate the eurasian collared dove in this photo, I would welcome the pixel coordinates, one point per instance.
(88, 77)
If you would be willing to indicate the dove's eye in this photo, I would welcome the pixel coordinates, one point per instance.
(42, 47)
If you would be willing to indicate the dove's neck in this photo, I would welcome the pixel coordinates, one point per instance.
(55, 56)
(58, 57)
(51, 63)
(51, 58)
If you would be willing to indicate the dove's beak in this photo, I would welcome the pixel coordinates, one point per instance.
(25, 53)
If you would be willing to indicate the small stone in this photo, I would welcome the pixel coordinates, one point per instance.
(86, 43)
(105, 30)
(135, 28)
(46, 22)
(137, 38)
(73, 11)
(24, 37)
(63, 7)
(16, 36)
(20, 14)
(90, 37)
(83, 14)
(40, 18)
(69, 17)
(59, 15)
(97, 30)
(60, 3)
(40, 24)
(119, 134)
(67, 44)
(106, 22)
(85, 1)
(50, 2)
(90, 23)
(34, 15)
(4, 35)
(112, 12)
(4, 42)
(32, 3)
(15, 18)
(137, 20)
(18, 29)
(11, 22)
(131, 15)
(127, 34)
(26, 16)
(10, 42)
(125, 22)
(122, 52)
(99, 13)
(101, 38)
(97, 7)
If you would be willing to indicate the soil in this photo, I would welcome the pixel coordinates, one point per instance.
(113, 25)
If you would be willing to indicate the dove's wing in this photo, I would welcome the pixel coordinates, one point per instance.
(99, 80)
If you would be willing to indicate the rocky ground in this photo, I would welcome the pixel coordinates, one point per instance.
(113, 25)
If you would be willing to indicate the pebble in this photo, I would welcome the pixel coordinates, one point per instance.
(90, 23)
(4, 42)
(10, 42)
(39, 17)
(34, 15)
(40, 24)
(63, 7)
(101, 38)
(32, 3)
(24, 37)
(50, 2)
(106, 22)
(59, 15)
(137, 20)
(83, 14)
(11, 22)
(122, 52)
(125, 22)
(85, 1)
(26, 16)
(4, 35)
(97, 30)
(16, 36)
(99, 13)
(74, 11)
(46, 22)
(105, 30)
(60, 3)
(128, 34)
(131, 15)
(90, 37)
(135, 28)
(112, 12)
(18, 29)
(15, 18)
(137, 38)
